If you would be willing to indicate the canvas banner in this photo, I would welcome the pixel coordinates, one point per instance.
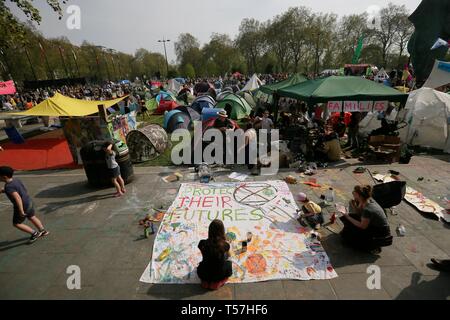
(380, 105)
(7, 87)
(334, 106)
(365, 106)
(280, 247)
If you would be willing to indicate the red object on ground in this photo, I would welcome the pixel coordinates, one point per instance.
(333, 218)
(312, 184)
(38, 154)
(165, 105)
(214, 285)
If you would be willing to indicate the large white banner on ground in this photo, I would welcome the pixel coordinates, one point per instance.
(280, 247)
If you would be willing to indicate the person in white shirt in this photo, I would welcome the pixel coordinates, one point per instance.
(265, 122)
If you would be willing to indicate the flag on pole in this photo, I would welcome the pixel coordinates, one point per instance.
(440, 43)
(358, 50)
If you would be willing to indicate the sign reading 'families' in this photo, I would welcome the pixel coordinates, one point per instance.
(356, 106)
(279, 248)
(334, 106)
(7, 87)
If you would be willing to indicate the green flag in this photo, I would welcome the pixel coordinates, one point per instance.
(358, 50)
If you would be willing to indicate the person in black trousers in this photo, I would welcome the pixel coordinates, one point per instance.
(215, 268)
(366, 224)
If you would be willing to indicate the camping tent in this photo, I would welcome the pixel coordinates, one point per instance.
(239, 106)
(181, 117)
(201, 102)
(147, 143)
(428, 118)
(62, 106)
(248, 96)
(274, 87)
(336, 88)
(174, 86)
(165, 102)
(253, 84)
(440, 76)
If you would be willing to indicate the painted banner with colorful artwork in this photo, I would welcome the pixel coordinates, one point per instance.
(280, 248)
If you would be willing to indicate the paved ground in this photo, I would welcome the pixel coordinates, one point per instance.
(101, 235)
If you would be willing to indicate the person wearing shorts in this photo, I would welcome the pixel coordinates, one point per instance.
(22, 204)
(114, 169)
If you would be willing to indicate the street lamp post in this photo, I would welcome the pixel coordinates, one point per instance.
(165, 54)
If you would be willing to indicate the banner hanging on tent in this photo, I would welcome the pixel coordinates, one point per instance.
(334, 106)
(380, 105)
(7, 87)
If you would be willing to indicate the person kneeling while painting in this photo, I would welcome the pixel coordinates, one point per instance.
(311, 212)
(215, 268)
(365, 225)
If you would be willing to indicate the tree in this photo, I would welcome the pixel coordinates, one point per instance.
(387, 33)
(250, 41)
(320, 36)
(351, 29)
(16, 35)
(185, 43)
(221, 51)
(297, 21)
(276, 37)
(188, 71)
(405, 30)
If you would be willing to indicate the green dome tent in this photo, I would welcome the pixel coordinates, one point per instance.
(240, 107)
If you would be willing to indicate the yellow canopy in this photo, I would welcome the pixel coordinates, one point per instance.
(62, 106)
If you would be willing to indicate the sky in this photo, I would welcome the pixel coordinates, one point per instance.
(127, 25)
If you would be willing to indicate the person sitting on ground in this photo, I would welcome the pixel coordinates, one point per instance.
(331, 148)
(215, 268)
(365, 222)
(222, 122)
(22, 203)
(114, 169)
(312, 212)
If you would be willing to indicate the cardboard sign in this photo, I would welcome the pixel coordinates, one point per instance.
(334, 106)
(7, 87)
(380, 105)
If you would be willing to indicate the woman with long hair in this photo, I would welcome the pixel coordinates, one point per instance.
(215, 267)
(366, 224)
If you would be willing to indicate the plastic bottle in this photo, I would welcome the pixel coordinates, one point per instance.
(401, 230)
(329, 197)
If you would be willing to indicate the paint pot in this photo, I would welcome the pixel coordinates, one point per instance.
(249, 236)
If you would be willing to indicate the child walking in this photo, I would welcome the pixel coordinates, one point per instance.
(23, 205)
(114, 169)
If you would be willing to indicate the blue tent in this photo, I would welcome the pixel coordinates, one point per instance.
(203, 102)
